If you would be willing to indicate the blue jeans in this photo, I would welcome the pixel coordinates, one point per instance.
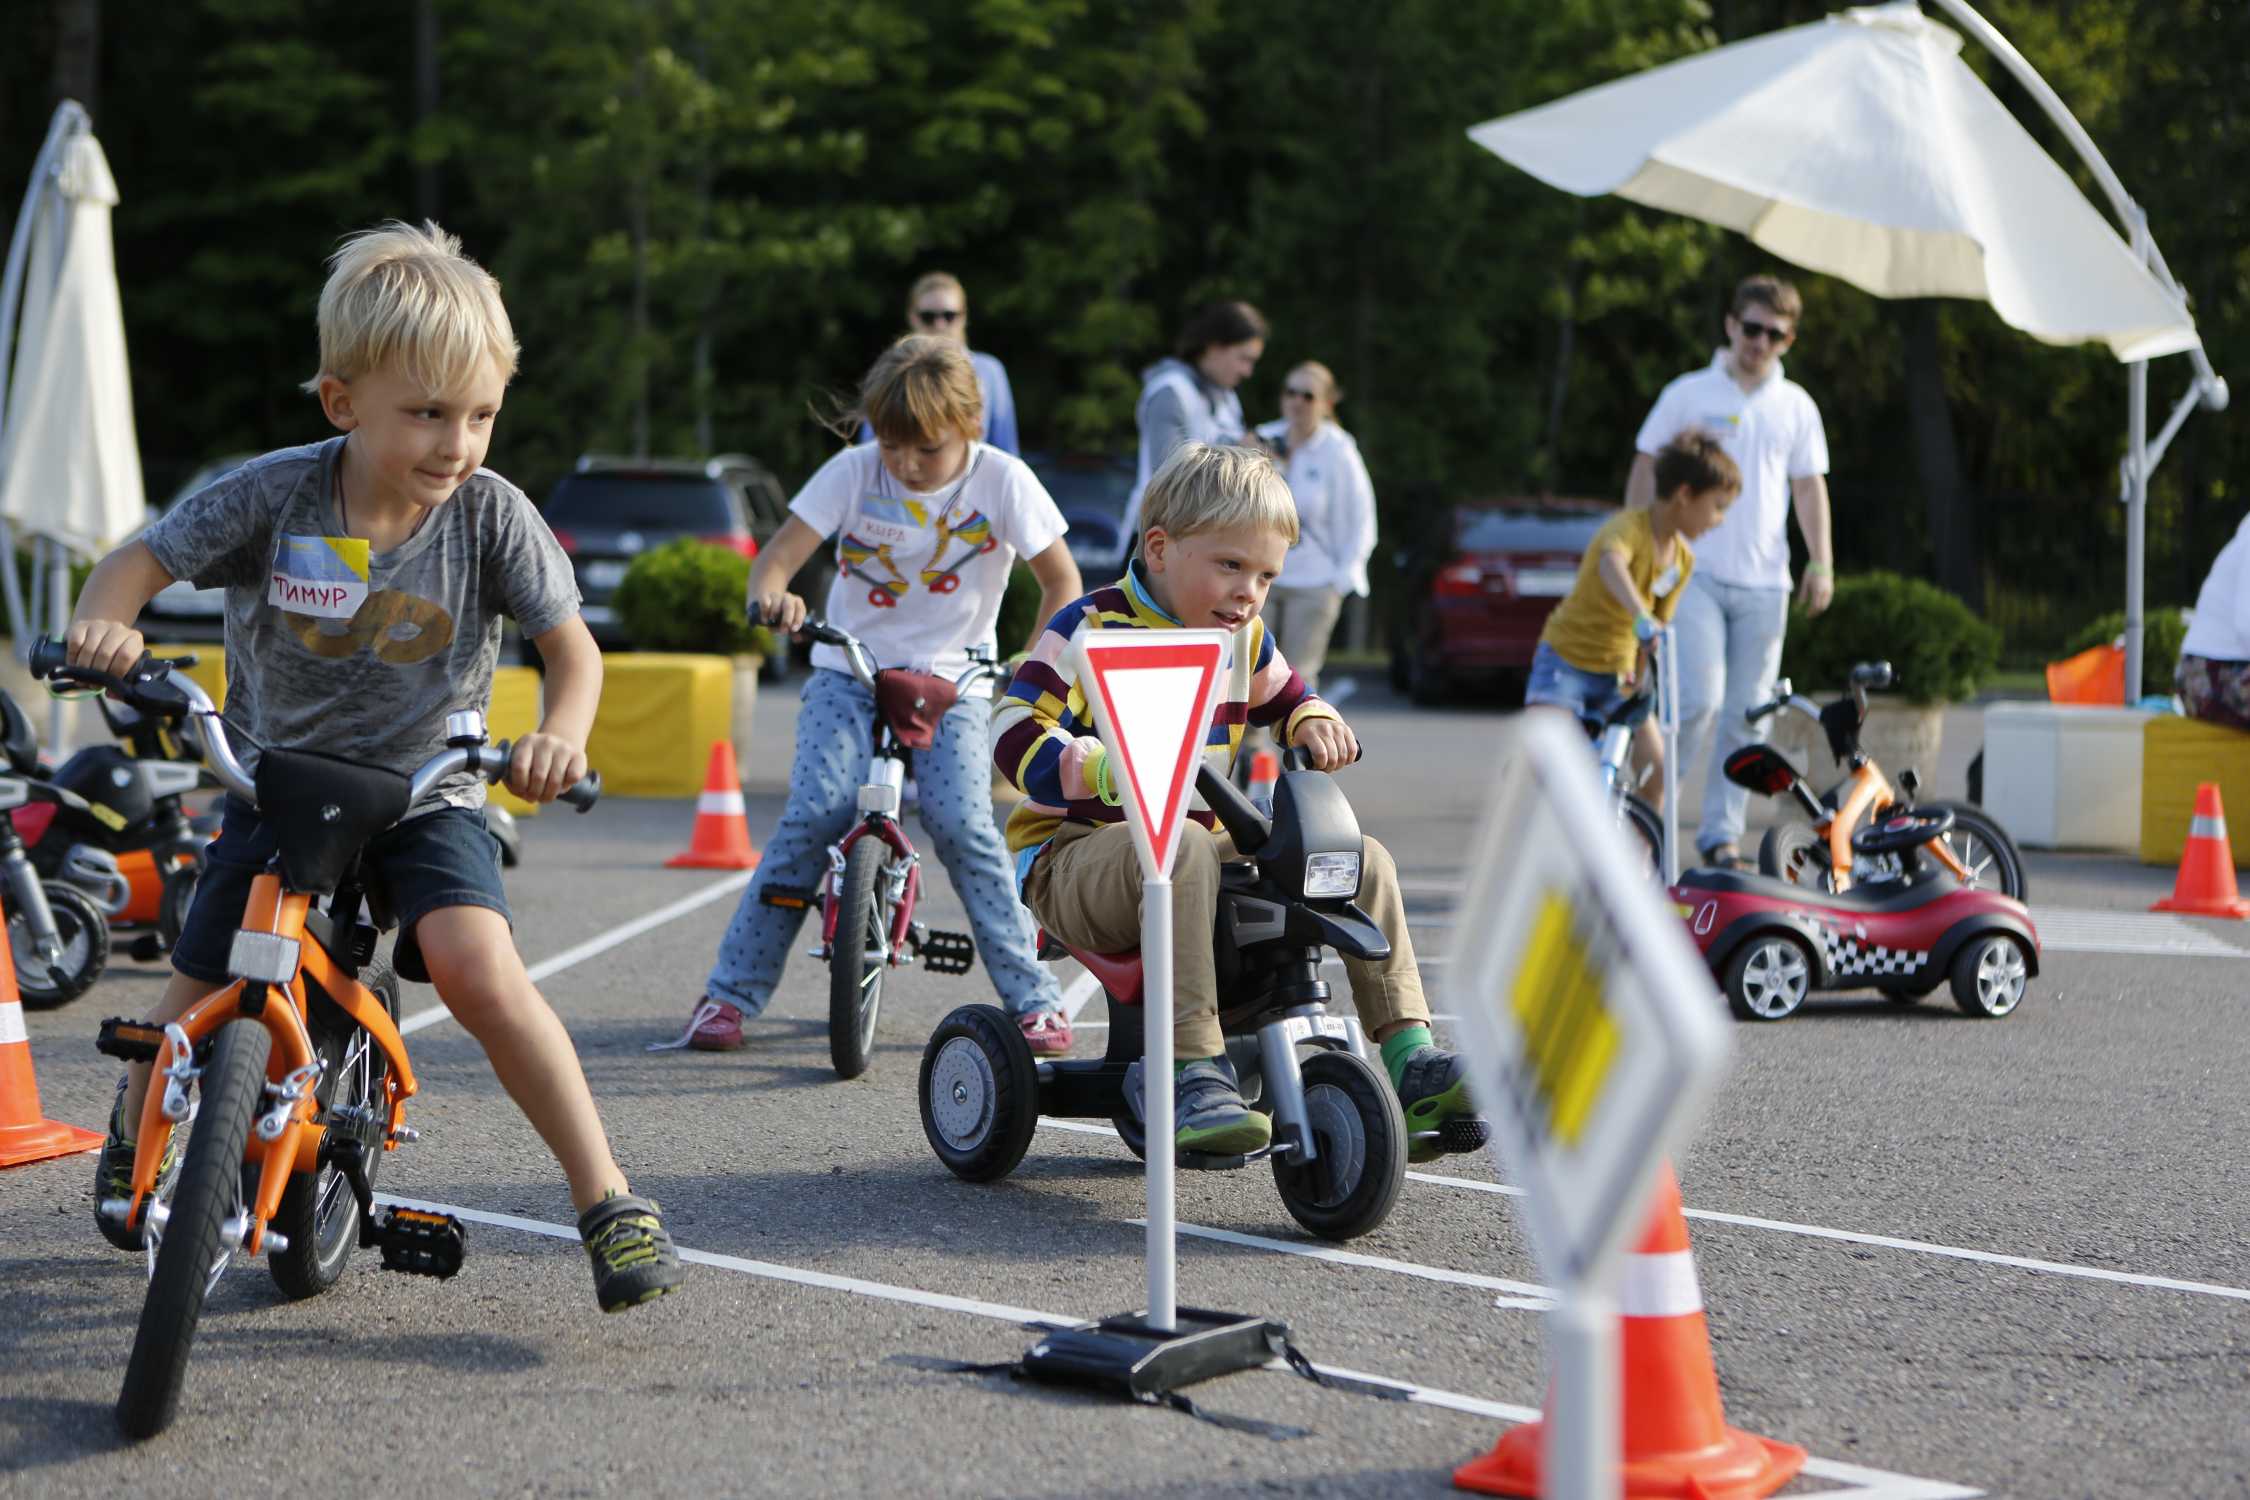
(1729, 654)
(835, 741)
(1555, 682)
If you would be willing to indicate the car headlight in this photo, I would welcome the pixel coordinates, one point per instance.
(1332, 875)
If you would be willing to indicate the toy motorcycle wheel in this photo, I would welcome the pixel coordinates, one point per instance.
(1359, 1139)
(980, 1093)
(1989, 976)
(1768, 977)
(83, 934)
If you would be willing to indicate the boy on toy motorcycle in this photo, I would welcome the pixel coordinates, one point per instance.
(1218, 522)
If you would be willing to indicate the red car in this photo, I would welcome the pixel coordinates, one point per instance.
(1476, 602)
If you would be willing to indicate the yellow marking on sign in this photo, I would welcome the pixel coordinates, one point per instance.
(1570, 1040)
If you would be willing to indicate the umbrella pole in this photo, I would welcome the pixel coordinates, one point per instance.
(2136, 524)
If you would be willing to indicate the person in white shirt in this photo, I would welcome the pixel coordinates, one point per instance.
(1335, 518)
(2214, 670)
(928, 521)
(1191, 397)
(1736, 607)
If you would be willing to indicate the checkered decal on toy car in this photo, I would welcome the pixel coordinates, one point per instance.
(1850, 954)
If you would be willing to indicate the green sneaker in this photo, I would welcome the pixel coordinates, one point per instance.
(634, 1261)
(1433, 1087)
(1208, 1114)
(113, 1171)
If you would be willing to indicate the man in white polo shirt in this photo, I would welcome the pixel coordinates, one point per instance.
(1736, 606)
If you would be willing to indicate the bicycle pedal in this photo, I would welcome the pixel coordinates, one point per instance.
(131, 1041)
(789, 897)
(1463, 1133)
(948, 952)
(419, 1243)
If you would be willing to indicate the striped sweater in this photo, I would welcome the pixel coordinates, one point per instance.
(1043, 735)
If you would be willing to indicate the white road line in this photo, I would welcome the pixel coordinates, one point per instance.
(1531, 1295)
(1870, 1484)
(602, 943)
(2065, 930)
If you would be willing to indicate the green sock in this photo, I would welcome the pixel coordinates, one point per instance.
(1181, 1064)
(1402, 1046)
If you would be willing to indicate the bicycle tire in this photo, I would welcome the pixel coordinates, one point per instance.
(2004, 861)
(855, 981)
(319, 1213)
(1647, 825)
(210, 1188)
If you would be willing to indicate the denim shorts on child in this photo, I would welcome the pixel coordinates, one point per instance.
(439, 859)
(1590, 695)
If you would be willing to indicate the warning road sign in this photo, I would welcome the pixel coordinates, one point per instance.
(1592, 1029)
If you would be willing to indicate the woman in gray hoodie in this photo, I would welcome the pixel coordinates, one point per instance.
(1191, 396)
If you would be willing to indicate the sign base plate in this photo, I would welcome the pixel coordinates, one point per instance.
(1125, 1356)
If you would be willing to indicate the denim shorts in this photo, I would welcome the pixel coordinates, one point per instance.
(439, 859)
(1589, 695)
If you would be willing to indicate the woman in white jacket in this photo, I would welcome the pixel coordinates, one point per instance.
(2214, 670)
(1190, 397)
(1335, 518)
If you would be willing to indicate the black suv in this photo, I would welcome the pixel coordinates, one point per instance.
(607, 511)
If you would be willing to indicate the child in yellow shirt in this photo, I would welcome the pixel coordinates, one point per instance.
(1596, 644)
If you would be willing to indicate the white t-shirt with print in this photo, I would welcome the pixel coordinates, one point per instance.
(1773, 433)
(919, 578)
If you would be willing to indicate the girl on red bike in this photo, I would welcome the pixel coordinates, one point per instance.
(927, 522)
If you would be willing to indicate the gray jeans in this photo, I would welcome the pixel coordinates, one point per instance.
(1730, 652)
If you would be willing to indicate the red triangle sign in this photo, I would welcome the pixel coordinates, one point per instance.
(1152, 693)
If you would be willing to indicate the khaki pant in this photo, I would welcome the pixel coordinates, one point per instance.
(1085, 889)
(1302, 620)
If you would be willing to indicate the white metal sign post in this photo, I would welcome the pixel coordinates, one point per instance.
(1593, 1034)
(1152, 692)
(1668, 727)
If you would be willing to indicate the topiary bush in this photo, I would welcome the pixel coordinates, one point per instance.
(2163, 632)
(1939, 652)
(689, 595)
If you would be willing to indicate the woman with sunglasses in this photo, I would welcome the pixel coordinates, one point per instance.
(1335, 518)
(937, 305)
(1190, 397)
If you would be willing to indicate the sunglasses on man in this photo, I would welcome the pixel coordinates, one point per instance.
(936, 317)
(1752, 329)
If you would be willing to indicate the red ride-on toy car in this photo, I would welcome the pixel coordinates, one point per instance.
(1771, 943)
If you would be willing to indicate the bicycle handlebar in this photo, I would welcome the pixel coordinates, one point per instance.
(151, 685)
(981, 663)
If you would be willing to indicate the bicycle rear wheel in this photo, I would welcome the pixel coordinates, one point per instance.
(319, 1213)
(859, 957)
(198, 1236)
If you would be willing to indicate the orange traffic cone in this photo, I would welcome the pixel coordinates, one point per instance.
(24, 1134)
(1265, 768)
(2205, 885)
(722, 839)
(1677, 1441)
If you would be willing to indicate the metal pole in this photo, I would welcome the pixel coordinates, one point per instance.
(58, 624)
(1668, 726)
(1156, 1094)
(2136, 524)
(1585, 1442)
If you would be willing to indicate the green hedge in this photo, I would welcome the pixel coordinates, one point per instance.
(1939, 652)
(689, 595)
(2163, 632)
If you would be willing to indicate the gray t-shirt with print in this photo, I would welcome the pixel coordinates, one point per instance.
(357, 655)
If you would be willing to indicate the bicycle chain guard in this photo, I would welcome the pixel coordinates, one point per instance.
(948, 952)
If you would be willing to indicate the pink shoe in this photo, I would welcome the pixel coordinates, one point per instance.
(715, 1027)
(1048, 1032)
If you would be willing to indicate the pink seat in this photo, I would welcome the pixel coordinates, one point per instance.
(1118, 973)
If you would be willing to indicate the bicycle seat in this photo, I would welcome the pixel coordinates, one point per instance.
(1118, 973)
(323, 810)
(1628, 714)
(1906, 828)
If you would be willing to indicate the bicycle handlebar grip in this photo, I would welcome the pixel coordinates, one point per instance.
(48, 656)
(585, 793)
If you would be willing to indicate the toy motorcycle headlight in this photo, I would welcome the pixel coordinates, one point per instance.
(1332, 875)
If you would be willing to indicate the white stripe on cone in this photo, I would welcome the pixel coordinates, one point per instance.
(2207, 828)
(719, 802)
(1659, 1286)
(11, 1023)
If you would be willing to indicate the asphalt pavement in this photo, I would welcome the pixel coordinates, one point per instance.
(1946, 1256)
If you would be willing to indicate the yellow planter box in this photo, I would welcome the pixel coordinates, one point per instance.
(2177, 755)
(660, 714)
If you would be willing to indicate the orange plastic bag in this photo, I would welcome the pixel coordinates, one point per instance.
(2094, 678)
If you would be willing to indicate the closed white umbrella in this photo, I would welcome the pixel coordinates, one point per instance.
(1864, 147)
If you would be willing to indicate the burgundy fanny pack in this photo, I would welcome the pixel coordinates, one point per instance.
(912, 703)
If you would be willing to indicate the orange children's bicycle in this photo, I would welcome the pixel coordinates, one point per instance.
(1818, 854)
(294, 1076)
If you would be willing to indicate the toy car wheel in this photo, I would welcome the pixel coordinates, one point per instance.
(1990, 976)
(1768, 977)
(980, 1093)
(1359, 1137)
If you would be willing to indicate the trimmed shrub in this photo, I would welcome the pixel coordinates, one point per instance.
(1939, 652)
(2163, 632)
(688, 595)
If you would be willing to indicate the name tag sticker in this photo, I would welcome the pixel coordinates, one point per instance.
(321, 576)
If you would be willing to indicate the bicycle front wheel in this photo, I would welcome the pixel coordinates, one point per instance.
(1646, 826)
(200, 1230)
(859, 957)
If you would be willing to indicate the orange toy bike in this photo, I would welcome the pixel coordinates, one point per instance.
(295, 1074)
(1819, 854)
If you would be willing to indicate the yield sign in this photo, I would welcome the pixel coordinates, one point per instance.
(1151, 692)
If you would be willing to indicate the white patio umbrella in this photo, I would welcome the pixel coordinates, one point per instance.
(70, 467)
(1864, 147)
